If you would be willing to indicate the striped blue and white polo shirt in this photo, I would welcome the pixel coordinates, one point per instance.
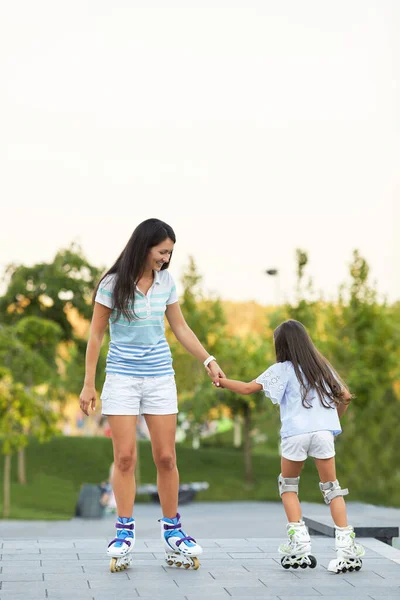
(139, 347)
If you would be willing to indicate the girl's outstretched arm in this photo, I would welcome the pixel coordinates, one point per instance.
(239, 387)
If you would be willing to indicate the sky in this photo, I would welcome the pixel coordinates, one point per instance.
(252, 127)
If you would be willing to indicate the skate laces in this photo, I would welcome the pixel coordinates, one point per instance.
(348, 538)
(122, 533)
(346, 535)
(357, 548)
(293, 530)
(297, 536)
(173, 528)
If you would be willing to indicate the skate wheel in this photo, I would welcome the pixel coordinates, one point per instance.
(344, 570)
(113, 563)
(313, 562)
(178, 564)
(358, 567)
(303, 565)
(187, 566)
(170, 563)
(195, 563)
(295, 566)
(284, 564)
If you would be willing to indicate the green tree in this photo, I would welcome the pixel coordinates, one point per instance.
(207, 319)
(245, 359)
(305, 308)
(75, 365)
(28, 349)
(39, 303)
(360, 335)
(26, 366)
(23, 413)
(42, 337)
(362, 340)
(50, 290)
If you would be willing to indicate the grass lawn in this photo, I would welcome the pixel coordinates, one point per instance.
(56, 470)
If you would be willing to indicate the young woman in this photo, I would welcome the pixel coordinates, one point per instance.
(133, 297)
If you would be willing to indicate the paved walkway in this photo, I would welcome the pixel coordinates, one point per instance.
(65, 560)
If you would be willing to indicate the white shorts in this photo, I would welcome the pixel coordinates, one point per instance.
(318, 444)
(128, 395)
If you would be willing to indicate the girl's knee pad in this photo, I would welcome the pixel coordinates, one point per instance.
(331, 490)
(288, 484)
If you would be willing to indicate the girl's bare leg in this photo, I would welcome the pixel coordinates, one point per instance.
(327, 472)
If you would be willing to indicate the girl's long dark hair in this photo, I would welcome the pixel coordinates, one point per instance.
(313, 371)
(129, 266)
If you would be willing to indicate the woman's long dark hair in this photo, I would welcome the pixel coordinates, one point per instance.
(313, 371)
(129, 266)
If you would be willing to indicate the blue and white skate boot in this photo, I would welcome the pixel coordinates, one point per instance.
(297, 550)
(180, 548)
(348, 552)
(120, 548)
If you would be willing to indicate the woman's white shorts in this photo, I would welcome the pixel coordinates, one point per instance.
(128, 395)
(318, 444)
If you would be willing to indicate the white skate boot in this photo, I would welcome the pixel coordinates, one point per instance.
(181, 550)
(297, 549)
(120, 548)
(348, 552)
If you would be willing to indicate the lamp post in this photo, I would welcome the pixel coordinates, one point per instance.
(274, 273)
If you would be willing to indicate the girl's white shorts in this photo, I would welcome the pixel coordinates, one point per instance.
(318, 444)
(129, 395)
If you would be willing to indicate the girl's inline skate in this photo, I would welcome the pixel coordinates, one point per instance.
(297, 550)
(348, 552)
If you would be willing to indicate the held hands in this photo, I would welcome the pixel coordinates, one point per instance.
(87, 399)
(214, 371)
(219, 383)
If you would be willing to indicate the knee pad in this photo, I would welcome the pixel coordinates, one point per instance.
(331, 490)
(288, 484)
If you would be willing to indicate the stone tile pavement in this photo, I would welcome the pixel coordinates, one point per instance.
(75, 568)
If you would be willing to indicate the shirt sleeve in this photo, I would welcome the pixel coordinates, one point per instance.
(274, 381)
(173, 296)
(105, 292)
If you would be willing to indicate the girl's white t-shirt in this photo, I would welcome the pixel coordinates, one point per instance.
(281, 385)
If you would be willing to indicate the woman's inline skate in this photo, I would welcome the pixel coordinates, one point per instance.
(181, 550)
(120, 548)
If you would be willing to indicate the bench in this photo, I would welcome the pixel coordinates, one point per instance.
(323, 526)
(187, 491)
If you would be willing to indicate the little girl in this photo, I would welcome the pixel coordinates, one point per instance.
(311, 397)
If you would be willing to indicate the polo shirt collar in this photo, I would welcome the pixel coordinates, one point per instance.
(157, 277)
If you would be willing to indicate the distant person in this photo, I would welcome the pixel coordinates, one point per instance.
(80, 422)
(133, 297)
(107, 493)
(311, 397)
